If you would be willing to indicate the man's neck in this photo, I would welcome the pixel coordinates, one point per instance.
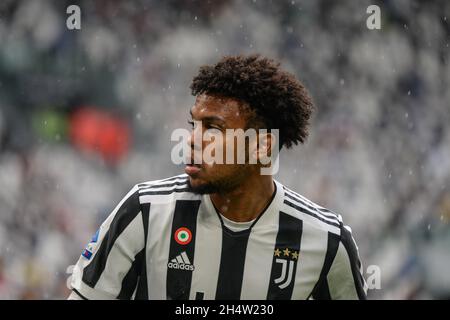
(246, 202)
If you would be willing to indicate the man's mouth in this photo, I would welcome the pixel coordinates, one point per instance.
(192, 169)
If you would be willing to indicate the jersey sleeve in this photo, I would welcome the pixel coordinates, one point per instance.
(110, 265)
(345, 278)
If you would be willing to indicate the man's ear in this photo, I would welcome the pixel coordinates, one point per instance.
(264, 150)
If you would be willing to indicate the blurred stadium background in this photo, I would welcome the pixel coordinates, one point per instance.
(86, 114)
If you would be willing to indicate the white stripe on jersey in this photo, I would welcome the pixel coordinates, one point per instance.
(168, 193)
(149, 184)
(158, 243)
(310, 219)
(341, 270)
(166, 199)
(312, 256)
(178, 183)
(311, 206)
(127, 245)
(205, 275)
(262, 236)
(332, 219)
(164, 190)
(257, 263)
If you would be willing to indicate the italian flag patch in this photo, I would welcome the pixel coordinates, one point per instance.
(183, 236)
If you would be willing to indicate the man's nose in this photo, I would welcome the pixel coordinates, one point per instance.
(195, 138)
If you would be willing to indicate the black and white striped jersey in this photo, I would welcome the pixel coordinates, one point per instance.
(164, 242)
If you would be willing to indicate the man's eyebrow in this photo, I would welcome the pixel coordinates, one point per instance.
(211, 118)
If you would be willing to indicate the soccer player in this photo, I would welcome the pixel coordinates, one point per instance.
(225, 230)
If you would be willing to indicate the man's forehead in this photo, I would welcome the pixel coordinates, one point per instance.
(206, 103)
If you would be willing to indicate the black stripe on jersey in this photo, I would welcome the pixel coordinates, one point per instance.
(324, 210)
(79, 294)
(328, 214)
(355, 263)
(232, 261)
(289, 237)
(321, 290)
(179, 280)
(123, 217)
(130, 280)
(292, 205)
(142, 289)
(152, 183)
(164, 192)
(199, 295)
(171, 184)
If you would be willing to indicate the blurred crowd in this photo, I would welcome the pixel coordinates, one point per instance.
(85, 114)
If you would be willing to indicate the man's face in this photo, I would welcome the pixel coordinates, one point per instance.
(216, 115)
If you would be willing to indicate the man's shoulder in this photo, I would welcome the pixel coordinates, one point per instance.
(166, 190)
(310, 212)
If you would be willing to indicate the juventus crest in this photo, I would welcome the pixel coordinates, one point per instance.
(287, 258)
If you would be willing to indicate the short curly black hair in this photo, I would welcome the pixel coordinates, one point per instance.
(276, 96)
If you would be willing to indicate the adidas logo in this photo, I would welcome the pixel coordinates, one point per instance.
(181, 262)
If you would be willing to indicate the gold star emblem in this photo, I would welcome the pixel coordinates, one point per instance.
(295, 255)
(286, 252)
(277, 252)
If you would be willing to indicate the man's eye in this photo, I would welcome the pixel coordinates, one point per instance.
(209, 126)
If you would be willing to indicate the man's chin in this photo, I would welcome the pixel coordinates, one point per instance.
(199, 187)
